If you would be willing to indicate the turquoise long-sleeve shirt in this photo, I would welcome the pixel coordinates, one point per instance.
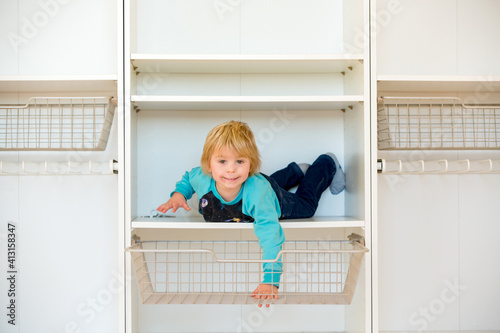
(256, 202)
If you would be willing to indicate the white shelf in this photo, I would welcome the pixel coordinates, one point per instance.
(57, 83)
(197, 222)
(149, 102)
(438, 83)
(244, 63)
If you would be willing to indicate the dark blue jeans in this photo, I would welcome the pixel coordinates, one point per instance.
(304, 202)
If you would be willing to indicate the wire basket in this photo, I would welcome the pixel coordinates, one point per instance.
(227, 272)
(57, 123)
(406, 123)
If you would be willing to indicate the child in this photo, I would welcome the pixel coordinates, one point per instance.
(231, 189)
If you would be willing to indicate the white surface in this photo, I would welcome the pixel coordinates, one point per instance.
(479, 270)
(418, 251)
(57, 218)
(244, 63)
(268, 84)
(230, 27)
(477, 30)
(191, 26)
(433, 228)
(434, 233)
(197, 222)
(57, 83)
(450, 83)
(67, 37)
(291, 30)
(244, 102)
(418, 38)
(245, 318)
(9, 30)
(456, 39)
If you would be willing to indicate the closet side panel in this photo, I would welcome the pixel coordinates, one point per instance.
(418, 254)
(201, 26)
(67, 37)
(266, 27)
(478, 47)
(11, 38)
(479, 270)
(417, 38)
(9, 220)
(68, 273)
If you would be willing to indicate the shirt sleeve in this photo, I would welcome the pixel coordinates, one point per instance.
(262, 204)
(194, 181)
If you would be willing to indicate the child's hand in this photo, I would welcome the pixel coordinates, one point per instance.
(265, 291)
(175, 202)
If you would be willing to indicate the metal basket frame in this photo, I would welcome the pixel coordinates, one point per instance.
(227, 272)
(57, 123)
(406, 123)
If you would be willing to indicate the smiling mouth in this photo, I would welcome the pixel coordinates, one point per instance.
(231, 179)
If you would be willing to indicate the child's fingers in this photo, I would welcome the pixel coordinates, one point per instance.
(164, 207)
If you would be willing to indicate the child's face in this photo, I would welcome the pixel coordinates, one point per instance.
(229, 170)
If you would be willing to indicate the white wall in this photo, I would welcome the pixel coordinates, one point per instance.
(56, 37)
(259, 26)
(66, 252)
(434, 232)
(447, 37)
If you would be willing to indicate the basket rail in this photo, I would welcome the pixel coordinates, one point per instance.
(436, 123)
(433, 100)
(57, 123)
(314, 272)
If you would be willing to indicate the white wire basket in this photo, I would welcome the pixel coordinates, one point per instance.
(406, 123)
(57, 123)
(227, 272)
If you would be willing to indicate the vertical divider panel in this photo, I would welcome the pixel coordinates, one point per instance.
(355, 161)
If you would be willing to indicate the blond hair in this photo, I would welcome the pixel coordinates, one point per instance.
(233, 135)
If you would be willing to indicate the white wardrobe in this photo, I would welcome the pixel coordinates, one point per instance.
(59, 199)
(437, 268)
(105, 104)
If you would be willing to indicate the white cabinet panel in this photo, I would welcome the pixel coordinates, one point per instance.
(418, 38)
(293, 318)
(68, 238)
(418, 255)
(479, 270)
(9, 241)
(478, 30)
(68, 37)
(256, 27)
(285, 26)
(9, 43)
(188, 26)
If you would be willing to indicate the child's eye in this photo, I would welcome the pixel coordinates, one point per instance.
(240, 161)
(222, 161)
